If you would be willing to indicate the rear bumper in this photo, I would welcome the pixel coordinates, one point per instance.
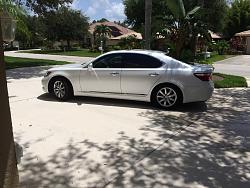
(201, 92)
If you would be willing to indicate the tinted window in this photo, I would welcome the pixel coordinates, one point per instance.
(110, 61)
(141, 61)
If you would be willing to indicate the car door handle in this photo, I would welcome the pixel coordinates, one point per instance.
(114, 73)
(154, 74)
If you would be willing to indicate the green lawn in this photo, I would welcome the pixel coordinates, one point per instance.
(215, 57)
(81, 53)
(15, 62)
(228, 81)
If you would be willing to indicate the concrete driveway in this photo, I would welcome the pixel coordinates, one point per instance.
(93, 142)
(239, 65)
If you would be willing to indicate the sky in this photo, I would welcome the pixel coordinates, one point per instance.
(113, 10)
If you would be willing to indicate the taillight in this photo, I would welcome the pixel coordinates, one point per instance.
(204, 76)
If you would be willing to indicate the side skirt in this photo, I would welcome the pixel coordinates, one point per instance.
(126, 96)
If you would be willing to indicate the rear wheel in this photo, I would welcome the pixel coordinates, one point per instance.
(61, 89)
(166, 96)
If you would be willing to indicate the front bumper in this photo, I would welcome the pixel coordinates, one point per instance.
(45, 83)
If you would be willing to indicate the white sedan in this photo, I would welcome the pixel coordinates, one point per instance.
(135, 75)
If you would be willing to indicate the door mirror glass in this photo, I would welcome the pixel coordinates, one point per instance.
(90, 67)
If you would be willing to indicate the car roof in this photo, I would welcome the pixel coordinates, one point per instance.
(157, 54)
(138, 51)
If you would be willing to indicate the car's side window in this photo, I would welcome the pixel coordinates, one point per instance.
(141, 61)
(110, 61)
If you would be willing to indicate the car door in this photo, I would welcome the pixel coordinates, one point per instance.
(140, 73)
(103, 76)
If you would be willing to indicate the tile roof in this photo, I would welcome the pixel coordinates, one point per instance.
(135, 34)
(122, 30)
(243, 34)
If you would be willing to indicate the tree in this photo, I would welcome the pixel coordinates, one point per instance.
(178, 21)
(212, 13)
(148, 14)
(135, 12)
(8, 168)
(65, 25)
(38, 29)
(43, 6)
(238, 18)
(23, 34)
(182, 25)
(102, 20)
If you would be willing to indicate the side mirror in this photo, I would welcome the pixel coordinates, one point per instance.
(90, 67)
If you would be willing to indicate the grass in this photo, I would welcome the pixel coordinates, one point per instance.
(80, 53)
(15, 62)
(215, 57)
(228, 81)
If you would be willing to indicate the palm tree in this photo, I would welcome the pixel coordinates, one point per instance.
(8, 168)
(102, 31)
(148, 14)
(182, 24)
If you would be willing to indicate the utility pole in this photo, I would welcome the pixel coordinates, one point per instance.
(148, 18)
(8, 163)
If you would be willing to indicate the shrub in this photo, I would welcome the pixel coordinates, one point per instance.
(187, 55)
(130, 42)
(222, 46)
(116, 48)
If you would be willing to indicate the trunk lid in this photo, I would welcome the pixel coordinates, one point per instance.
(201, 68)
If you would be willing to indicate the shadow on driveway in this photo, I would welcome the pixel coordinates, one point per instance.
(209, 152)
(190, 107)
(27, 72)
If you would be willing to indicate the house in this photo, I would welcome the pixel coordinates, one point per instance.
(244, 37)
(215, 36)
(117, 33)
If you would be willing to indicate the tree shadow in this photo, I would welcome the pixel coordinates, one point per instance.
(194, 149)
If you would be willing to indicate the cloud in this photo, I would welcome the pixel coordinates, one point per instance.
(96, 9)
(91, 11)
(75, 4)
(116, 10)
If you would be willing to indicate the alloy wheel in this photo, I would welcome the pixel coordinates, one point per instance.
(59, 89)
(166, 97)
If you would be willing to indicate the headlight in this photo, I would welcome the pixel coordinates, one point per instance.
(47, 73)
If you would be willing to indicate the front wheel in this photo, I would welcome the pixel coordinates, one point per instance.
(166, 96)
(61, 89)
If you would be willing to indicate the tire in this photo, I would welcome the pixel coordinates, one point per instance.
(61, 89)
(166, 96)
